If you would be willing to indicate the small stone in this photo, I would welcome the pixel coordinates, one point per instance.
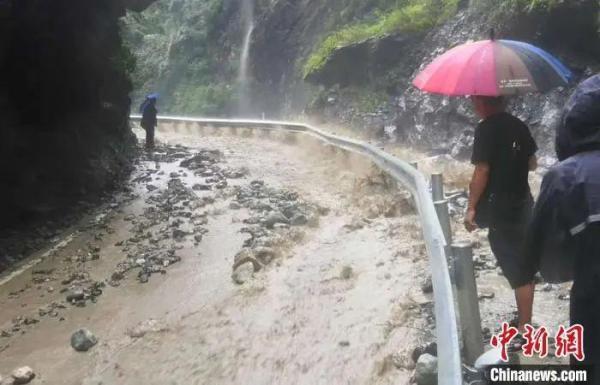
(299, 220)
(201, 187)
(140, 261)
(75, 295)
(23, 375)
(143, 277)
(564, 297)
(344, 343)
(83, 339)
(426, 370)
(346, 272)
(273, 218)
(430, 348)
(547, 287)
(489, 295)
(427, 286)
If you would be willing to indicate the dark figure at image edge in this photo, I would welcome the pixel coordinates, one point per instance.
(149, 121)
(500, 198)
(564, 237)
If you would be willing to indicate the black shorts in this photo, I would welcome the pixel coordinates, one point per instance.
(507, 240)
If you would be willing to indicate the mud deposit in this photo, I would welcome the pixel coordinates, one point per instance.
(231, 257)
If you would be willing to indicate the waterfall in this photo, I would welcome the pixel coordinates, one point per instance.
(243, 77)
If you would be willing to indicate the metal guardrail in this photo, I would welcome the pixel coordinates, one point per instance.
(449, 363)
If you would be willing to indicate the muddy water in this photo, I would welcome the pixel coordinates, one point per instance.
(343, 306)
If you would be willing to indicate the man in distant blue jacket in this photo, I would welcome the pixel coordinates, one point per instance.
(564, 236)
(149, 119)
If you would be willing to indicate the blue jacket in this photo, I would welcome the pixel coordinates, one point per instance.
(565, 228)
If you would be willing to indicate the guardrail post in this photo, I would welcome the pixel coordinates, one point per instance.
(437, 187)
(468, 301)
(441, 208)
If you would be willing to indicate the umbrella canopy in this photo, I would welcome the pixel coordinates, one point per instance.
(493, 68)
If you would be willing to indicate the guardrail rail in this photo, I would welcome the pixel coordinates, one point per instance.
(449, 358)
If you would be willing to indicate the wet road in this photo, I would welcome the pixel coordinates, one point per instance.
(342, 304)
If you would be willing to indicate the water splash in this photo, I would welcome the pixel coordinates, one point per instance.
(244, 107)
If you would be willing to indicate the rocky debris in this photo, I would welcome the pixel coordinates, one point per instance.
(275, 219)
(22, 375)
(426, 370)
(429, 348)
(83, 340)
(75, 295)
(50, 310)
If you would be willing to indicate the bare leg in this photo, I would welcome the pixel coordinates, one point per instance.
(524, 296)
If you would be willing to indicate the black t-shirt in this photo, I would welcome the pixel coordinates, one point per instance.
(505, 143)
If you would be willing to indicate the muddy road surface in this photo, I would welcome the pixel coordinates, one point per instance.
(230, 257)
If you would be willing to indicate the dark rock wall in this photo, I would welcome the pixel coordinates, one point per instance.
(64, 102)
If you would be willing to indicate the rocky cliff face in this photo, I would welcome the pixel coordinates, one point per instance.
(64, 102)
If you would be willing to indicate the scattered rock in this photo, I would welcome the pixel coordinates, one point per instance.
(83, 340)
(23, 375)
(344, 343)
(75, 295)
(427, 285)
(489, 295)
(273, 218)
(346, 272)
(299, 220)
(430, 348)
(426, 370)
(243, 273)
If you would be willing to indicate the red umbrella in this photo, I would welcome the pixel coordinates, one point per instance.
(493, 68)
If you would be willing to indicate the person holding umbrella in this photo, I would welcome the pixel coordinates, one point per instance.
(149, 120)
(564, 237)
(504, 150)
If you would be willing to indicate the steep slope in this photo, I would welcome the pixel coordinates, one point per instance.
(64, 102)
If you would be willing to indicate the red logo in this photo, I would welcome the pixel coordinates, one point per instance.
(570, 342)
(536, 341)
(503, 339)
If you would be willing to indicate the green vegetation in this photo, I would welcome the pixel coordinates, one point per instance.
(407, 16)
(179, 51)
